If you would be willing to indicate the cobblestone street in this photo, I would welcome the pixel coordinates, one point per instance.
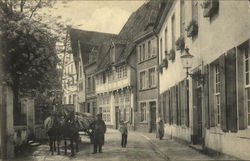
(141, 146)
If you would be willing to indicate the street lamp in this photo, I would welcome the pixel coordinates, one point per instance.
(187, 61)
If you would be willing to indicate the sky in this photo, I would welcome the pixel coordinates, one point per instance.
(102, 16)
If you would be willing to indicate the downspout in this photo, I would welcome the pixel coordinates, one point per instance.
(135, 93)
(158, 83)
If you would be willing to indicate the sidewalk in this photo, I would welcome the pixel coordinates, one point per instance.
(177, 151)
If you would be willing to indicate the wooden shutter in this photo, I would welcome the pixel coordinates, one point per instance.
(231, 95)
(167, 107)
(241, 85)
(179, 103)
(175, 104)
(164, 105)
(182, 97)
(206, 96)
(187, 102)
(211, 95)
(171, 106)
(223, 108)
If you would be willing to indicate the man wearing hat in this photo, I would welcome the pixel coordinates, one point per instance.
(99, 131)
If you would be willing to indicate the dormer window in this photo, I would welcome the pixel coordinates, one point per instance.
(92, 55)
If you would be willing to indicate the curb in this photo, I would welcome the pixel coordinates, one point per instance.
(157, 148)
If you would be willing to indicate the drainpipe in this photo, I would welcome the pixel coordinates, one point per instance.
(158, 83)
(135, 93)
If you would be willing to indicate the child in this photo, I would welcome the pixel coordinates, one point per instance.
(124, 131)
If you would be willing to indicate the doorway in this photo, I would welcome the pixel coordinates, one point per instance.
(197, 137)
(152, 106)
(117, 117)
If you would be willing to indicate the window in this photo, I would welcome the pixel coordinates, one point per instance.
(143, 80)
(72, 69)
(69, 99)
(247, 83)
(94, 108)
(143, 52)
(149, 49)
(217, 93)
(88, 108)
(152, 82)
(166, 39)
(104, 77)
(124, 71)
(93, 84)
(173, 32)
(127, 99)
(160, 50)
(74, 99)
(88, 84)
(143, 112)
(140, 54)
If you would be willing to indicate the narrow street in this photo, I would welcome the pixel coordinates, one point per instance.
(141, 146)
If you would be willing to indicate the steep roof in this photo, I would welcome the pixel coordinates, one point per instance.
(142, 20)
(88, 40)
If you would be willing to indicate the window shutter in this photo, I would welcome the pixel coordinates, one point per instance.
(211, 95)
(186, 102)
(171, 106)
(179, 104)
(147, 79)
(223, 108)
(241, 88)
(206, 96)
(153, 46)
(182, 100)
(175, 105)
(164, 106)
(167, 106)
(231, 95)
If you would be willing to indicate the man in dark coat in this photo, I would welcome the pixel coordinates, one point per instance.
(99, 131)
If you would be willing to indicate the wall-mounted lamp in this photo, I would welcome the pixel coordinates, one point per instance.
(187, 61)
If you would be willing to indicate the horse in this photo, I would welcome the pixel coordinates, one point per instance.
(70, 131)
(53, 126)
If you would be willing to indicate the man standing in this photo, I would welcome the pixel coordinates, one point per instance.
(124, 131)
(99, 131)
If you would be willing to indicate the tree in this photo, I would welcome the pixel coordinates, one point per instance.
(30, 54)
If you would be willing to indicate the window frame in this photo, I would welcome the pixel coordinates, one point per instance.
(143, 110)
(217, 93)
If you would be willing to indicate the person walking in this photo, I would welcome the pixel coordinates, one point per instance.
(99, 131)
(124, 131)
(161, 129)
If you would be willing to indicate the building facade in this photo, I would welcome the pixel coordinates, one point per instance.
(115, 86)
(147, 83)
(85, 46)
(207, 104)
(90, 90)
(69, 82)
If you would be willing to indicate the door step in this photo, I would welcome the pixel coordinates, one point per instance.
(197, 147)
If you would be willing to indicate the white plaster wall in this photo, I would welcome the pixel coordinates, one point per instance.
(180, 132)
(175, 72)
(235, 144)
(228, 29)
